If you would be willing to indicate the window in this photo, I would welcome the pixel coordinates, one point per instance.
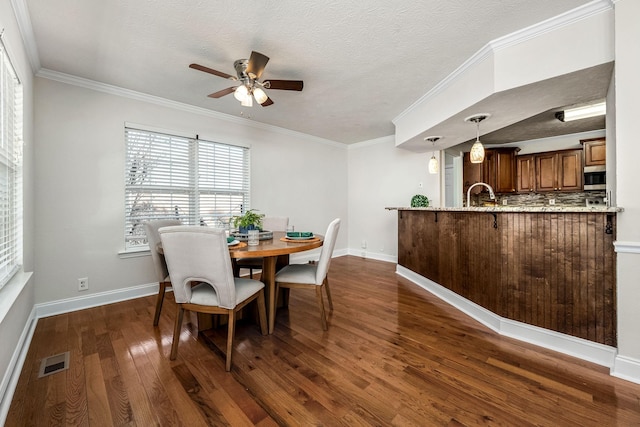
(10, 169)
(186, 178)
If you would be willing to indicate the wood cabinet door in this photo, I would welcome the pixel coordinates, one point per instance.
(489, 169)
(546, 172)
(595, 151)
(471, 173)
(505, 174)
(570, 170)
(525, 167)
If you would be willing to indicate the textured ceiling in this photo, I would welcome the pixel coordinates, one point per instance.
(362, 62)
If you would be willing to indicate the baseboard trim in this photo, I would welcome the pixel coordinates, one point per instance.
(362, 253)
(93, 300)
(600, 354)
(14, 369)
(627, 368)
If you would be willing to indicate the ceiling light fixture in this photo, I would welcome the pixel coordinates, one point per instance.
(583, 112)
(477, 150)
(434, 167)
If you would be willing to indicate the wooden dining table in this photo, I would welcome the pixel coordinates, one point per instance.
(275, 255)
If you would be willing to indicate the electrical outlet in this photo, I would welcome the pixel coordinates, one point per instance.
(504, 202)
(364, 244)
(420, 185)
(552, 202)
(83, 284)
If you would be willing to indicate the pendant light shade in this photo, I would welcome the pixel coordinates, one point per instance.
(477, 150)
(434, 167)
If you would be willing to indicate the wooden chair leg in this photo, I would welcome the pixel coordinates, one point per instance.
(326, 288)
(176, 333)
(231, 331)
(262, 312)
(162, 286)
(323, 317)
(273, 298)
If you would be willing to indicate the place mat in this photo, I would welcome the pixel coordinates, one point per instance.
(313, 239)
(238, 245)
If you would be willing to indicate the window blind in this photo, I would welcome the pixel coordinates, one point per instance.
(10, 169)
(169, 176)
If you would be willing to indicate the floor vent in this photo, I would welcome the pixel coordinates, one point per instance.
(52, 364)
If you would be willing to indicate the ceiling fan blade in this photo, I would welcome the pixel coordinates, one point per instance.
(223, 92)
(267, 102)
(285, 84)
(257, 62)
(212, 71)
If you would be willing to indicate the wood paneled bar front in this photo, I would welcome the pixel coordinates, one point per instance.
(550, 267)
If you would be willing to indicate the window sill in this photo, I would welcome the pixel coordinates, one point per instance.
(11, 291)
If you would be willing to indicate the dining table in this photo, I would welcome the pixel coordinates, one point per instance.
(275, 255)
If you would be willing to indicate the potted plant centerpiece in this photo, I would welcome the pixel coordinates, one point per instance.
(251, 220)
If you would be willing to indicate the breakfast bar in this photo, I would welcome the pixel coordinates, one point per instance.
(552, 267)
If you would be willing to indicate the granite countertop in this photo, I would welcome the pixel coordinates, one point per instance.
(565, 209)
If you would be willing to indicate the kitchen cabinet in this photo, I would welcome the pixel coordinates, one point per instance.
(595, 151)
(471, 173)
(498, 170)
(525, 173)
(559, 171)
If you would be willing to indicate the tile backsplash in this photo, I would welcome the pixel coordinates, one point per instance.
(542, 199)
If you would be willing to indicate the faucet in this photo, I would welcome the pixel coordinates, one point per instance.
(492, 195)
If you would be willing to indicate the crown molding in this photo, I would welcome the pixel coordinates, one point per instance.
(21, 12)
(520, 36)
(370, 142)
(139, 96)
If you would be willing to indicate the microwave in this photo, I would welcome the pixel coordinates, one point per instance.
(595, 178)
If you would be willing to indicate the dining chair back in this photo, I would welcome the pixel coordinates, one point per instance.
(159, 264)
(269, 223)
(201, 255)
(313, 276)
(275, 223)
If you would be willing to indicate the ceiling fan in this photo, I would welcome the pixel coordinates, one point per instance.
(248, 74)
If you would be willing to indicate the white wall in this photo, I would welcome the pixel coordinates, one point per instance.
(627, 93)
(381, 175)
(17, 297)
(80, 174)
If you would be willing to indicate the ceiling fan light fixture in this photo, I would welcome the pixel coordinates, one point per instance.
(241, 93)
(259, 94)
(477, 150)
(247, 102)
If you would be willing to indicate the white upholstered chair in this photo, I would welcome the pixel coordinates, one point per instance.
(153, 237)
(312, 276)
(270, 223)
(201, 255)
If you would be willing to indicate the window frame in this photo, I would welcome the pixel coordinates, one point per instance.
(11, 143)
(181, 176)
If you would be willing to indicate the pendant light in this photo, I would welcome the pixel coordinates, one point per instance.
(434, 167)
(477, 150)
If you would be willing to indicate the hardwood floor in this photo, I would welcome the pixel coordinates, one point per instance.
(393, 355)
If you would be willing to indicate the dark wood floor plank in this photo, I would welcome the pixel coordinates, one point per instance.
(393, 355)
